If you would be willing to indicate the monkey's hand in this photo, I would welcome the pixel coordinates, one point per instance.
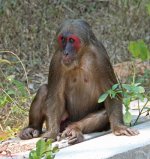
(29, 133)
(123, 130)
(73, 134)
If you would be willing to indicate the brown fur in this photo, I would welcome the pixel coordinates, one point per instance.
(71, 96)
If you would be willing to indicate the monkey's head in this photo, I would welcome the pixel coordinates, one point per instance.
(73, 36)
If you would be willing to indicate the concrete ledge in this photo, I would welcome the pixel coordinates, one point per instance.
(98, 146)
(138, 153)
(111, 146)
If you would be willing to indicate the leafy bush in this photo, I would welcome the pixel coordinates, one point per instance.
(44, 149)
(139, 49)
(14, 95)
(129, 92)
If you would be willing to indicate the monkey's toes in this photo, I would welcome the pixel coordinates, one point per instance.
(29, 133)
(65, 133)
(74, 135)
(123, 130)
(76, 138)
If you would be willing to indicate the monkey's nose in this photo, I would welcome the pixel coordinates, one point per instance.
(66, 53)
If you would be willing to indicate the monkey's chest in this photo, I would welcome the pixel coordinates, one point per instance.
(82, 95)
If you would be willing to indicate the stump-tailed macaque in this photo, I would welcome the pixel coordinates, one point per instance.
(80, 71)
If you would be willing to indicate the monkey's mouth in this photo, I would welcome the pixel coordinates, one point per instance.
(67, 59)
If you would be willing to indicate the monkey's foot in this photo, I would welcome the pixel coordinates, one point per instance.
(74, 135)
(50, 134)
(29, 133)
(123, 130)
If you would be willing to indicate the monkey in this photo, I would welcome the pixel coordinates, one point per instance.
(80, 71)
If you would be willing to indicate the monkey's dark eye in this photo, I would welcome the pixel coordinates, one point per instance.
(71, 40)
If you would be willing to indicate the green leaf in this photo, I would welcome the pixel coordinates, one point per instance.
(141, 89)
(137, 89)
(33, 155)
(110, 92)
(115, 86)
(49, 155)
(119, 92)
(3, 101)
(134, 89)
(127, 117)
(102, 97)
(126, 86)
(113, 94)
(49, 142)
(126, 102)
(55, 149)
(140, 97)
(40, 147)
(137, 84)
(139, 49)
(11, 92)
(44, 149)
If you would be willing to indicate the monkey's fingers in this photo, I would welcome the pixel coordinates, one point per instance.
(36, 133)
(29, 133)
(76, 137)
(66, 133)
(132, 132)
(72, 140)
(59, 137)
(26, 135)
(126, 131)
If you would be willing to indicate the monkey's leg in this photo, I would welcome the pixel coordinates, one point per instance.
(55, 113)
(114, 110)
(93, 122)
(36, 115)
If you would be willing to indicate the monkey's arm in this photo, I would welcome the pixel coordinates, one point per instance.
(36, 116)
(97, 121)
(54, 104)
(55, 109)
(113, 106)
(114, 110)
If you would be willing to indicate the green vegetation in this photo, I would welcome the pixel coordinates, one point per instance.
(129, 92)
(139, 49)
(133, 91)
(44, 149)
(14, 95)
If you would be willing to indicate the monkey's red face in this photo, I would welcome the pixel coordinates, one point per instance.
(70, 44)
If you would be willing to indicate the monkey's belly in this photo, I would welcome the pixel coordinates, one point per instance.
(82, 100)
